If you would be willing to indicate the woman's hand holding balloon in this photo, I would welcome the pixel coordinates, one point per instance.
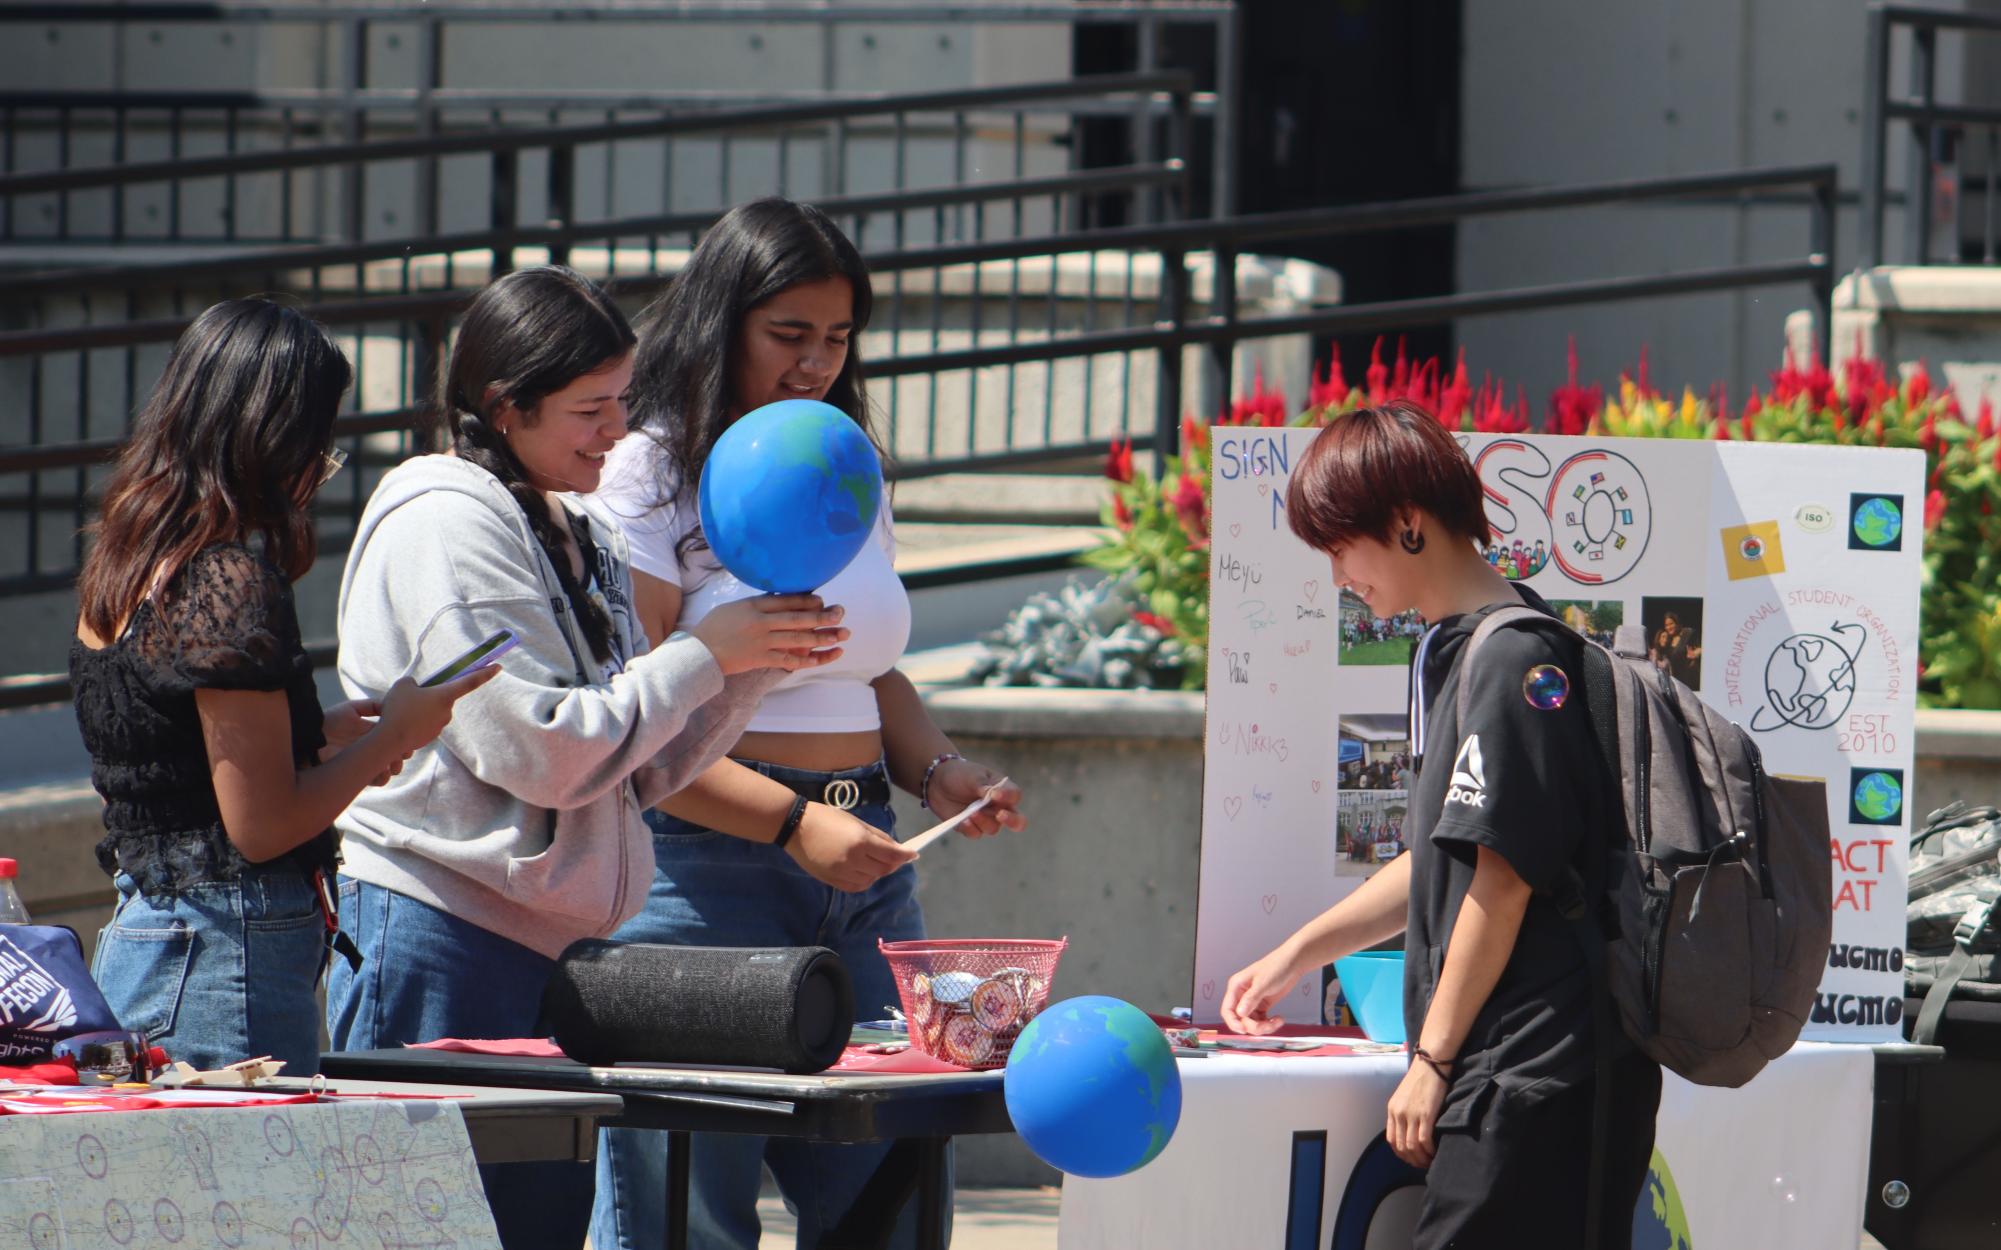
(773, 631)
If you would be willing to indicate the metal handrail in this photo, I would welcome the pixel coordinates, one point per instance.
(924, 11)
(1925, 116)
(1176, 327)
(315, 256)
(1166, 82)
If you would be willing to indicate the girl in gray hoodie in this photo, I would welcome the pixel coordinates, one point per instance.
(519, 831)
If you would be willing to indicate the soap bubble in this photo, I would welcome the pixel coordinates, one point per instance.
(1546, 687)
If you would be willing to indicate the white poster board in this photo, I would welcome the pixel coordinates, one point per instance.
(1268, 1149)
(1779, 581)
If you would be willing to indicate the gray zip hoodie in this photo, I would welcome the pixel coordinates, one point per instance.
(524, 816)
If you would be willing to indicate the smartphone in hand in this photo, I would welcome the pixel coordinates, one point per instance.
(480, 656)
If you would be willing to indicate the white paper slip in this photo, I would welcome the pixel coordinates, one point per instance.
(939, 830)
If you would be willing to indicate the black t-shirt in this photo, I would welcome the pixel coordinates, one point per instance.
(1526, 783)
(227, 622)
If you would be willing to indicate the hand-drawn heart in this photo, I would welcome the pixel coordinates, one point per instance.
(1232, 804)
(1208, 990)
(1284, 751)
(1272, 686)
(1316, 785)
(1236, 529)
(1270, 903)
(1312, 590)
(1227, 653)
(1263, 490)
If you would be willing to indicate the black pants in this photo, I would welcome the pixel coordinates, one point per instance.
(1517, 1175)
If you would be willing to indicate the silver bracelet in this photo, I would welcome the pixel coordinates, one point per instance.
(924, 788)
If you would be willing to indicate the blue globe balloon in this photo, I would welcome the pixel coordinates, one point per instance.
(1093, 1088)
(789, 495)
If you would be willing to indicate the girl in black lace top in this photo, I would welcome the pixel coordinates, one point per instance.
(220, 774)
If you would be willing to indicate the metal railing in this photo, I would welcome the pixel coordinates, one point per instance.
(1162, 324)
(90, 339)
(1155, 331)
(1945, 169)
(56, 129)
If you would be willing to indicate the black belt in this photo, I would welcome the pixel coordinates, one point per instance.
(846, 793)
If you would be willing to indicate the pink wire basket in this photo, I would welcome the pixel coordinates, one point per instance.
(967, 999)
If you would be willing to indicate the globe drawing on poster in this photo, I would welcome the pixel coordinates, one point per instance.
(1810, 679)
(1779, 582)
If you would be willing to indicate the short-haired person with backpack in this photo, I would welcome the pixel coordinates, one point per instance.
(1507, 802)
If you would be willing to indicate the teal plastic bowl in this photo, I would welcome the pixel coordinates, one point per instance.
(1372, 982)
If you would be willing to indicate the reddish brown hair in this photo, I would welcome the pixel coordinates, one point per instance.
(235, 430)
(1367, 465)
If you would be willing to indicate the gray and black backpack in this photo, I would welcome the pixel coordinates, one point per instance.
(1715, 906)
(1954, 936)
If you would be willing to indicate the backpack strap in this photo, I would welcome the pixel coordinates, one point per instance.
(1495, 621)
(1969, 930)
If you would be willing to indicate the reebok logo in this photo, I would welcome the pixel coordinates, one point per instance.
(1469, 775)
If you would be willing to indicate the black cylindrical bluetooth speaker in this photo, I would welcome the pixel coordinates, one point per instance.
(790, 1008)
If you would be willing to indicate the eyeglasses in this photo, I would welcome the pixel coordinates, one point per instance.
(108, 1056)
(335, 461)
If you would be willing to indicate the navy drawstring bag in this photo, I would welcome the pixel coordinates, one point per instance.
(46, 992)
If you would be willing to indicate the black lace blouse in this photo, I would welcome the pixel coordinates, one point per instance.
(227, 622)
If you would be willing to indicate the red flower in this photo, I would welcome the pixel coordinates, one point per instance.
(1934, 509)
(1400, 375)
(1332, 392)
(1572, 407)
(1190, 508)
(1159, 624)
(1813, 381)
(1119, 461)
(1194, 435)
(1378, 375)
(1918, 386)
(1752, 407)
(1454, 396)
(1120, 512)
(1985, 422)
(1492, 415)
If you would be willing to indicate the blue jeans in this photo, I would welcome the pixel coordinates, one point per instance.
(711, 889)
(221, 971)
(426, 974)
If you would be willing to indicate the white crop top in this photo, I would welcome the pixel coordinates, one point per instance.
(835, 698)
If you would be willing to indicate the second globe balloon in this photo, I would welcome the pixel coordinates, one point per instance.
(789, 495)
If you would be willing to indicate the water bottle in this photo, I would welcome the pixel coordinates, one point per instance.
(12, 909)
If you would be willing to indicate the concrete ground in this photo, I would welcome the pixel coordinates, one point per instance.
(982, 1219)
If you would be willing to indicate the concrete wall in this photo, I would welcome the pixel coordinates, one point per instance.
(1559, 91)
(1110, 859)
(1948, 318)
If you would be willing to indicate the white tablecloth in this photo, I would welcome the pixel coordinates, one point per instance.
(1779, 1164)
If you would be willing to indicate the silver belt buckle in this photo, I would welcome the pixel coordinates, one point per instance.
(842, 792)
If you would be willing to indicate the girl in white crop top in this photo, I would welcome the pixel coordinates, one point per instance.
(786, 843)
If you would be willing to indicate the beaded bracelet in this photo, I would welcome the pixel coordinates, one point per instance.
(1440, 1066)
(924, 787)
(792, 819)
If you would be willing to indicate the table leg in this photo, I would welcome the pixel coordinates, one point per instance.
(679, 1149)
(931, 1193)
(871, 1218)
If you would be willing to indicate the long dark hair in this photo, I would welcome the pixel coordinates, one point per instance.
(688, 354)
(525, 337)
(224, 448)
